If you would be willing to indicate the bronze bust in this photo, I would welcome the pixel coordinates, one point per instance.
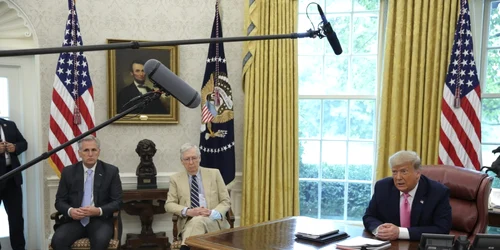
(146, 171)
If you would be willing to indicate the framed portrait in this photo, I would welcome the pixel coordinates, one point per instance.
(127, 80)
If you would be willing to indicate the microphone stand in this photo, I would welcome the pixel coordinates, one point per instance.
(136, 45)
(147, 99)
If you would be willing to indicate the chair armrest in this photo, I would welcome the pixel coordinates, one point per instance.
(230, 217)
(175, 230)
(116, 225)
(55, 216)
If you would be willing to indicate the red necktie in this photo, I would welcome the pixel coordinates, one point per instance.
(404, 212)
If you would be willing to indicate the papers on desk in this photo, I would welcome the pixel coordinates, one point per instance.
(358, 242)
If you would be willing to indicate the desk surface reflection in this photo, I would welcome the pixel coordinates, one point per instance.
(279, 234)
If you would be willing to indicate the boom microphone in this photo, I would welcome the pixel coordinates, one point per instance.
(169, 82)
(329, 33)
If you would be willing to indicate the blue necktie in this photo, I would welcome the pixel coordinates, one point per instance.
(195, 193)
(87, 196)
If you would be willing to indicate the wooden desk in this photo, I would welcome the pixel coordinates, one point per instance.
(493, 218)
(141, 202)
(278, 234)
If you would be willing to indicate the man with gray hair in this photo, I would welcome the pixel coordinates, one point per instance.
(88, 194)
(197, 195)
(408, 204)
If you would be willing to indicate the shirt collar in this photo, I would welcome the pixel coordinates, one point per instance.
(197, 174)
(412, 192)
(85, 168)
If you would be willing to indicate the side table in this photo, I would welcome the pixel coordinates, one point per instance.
(139, 202)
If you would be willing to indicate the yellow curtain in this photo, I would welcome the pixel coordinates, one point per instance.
(417, 50)
(270, 79)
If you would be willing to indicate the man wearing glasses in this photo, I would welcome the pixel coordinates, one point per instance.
(408, 204)
(88, 194)
(198, 195)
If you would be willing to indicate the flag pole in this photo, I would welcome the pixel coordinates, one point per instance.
(147, 100)
(136, 45)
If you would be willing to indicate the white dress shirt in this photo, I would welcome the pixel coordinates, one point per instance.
(84, 180)
(6, 154)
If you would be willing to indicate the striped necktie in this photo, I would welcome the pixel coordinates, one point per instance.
(195, 193)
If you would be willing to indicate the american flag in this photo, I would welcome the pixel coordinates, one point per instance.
(217, 117)
(72, 106)
(460, 135)
(206, 114)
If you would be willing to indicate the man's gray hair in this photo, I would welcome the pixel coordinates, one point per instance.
(187, 146)
(89, 138)
(405, 157)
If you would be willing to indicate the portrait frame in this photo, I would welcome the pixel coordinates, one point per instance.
(121, 79)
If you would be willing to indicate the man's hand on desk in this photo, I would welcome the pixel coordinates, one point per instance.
(387, 231)
(199, 211)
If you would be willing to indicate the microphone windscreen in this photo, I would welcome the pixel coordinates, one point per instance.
(171, 83)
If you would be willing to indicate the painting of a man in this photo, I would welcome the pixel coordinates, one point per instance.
(139, 87)
(127, 81)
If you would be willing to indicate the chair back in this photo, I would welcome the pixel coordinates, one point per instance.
(469, 195)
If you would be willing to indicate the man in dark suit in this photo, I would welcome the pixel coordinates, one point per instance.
(88, 194)
(408, 204)
(137, 88)
(12, 143)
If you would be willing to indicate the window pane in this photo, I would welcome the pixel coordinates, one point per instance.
(490, 122)
(338, 5)
(332, 200)
(309, 119)
(487, 160)
(336, 75)
(312, 8)
(308, 192)
(364, 75)
(4, 97)
(308, 46)
(333, 155)
(362, 119)
(360, 160)
(359, 195)
(311, 75)
(309, 158)
(363, 5)
(334, 119)
(365, 33)
(492, 83)
(494, 30)
(341, 24)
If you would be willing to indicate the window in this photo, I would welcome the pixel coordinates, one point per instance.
(4, 98)
(337, 110)
(490, 120)
(4, 113)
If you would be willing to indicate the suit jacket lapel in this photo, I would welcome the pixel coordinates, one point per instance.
(394, 200)
(418, 201)
(98, 176)
(78, 179)
(184, 181)
(206, 179)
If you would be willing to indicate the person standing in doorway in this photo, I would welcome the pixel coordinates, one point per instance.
(12, 143)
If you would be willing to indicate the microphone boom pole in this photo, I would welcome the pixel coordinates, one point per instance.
(136, 45)
(47, 154)
(129, 45)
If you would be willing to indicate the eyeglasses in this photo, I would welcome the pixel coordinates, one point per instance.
(192, 158)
